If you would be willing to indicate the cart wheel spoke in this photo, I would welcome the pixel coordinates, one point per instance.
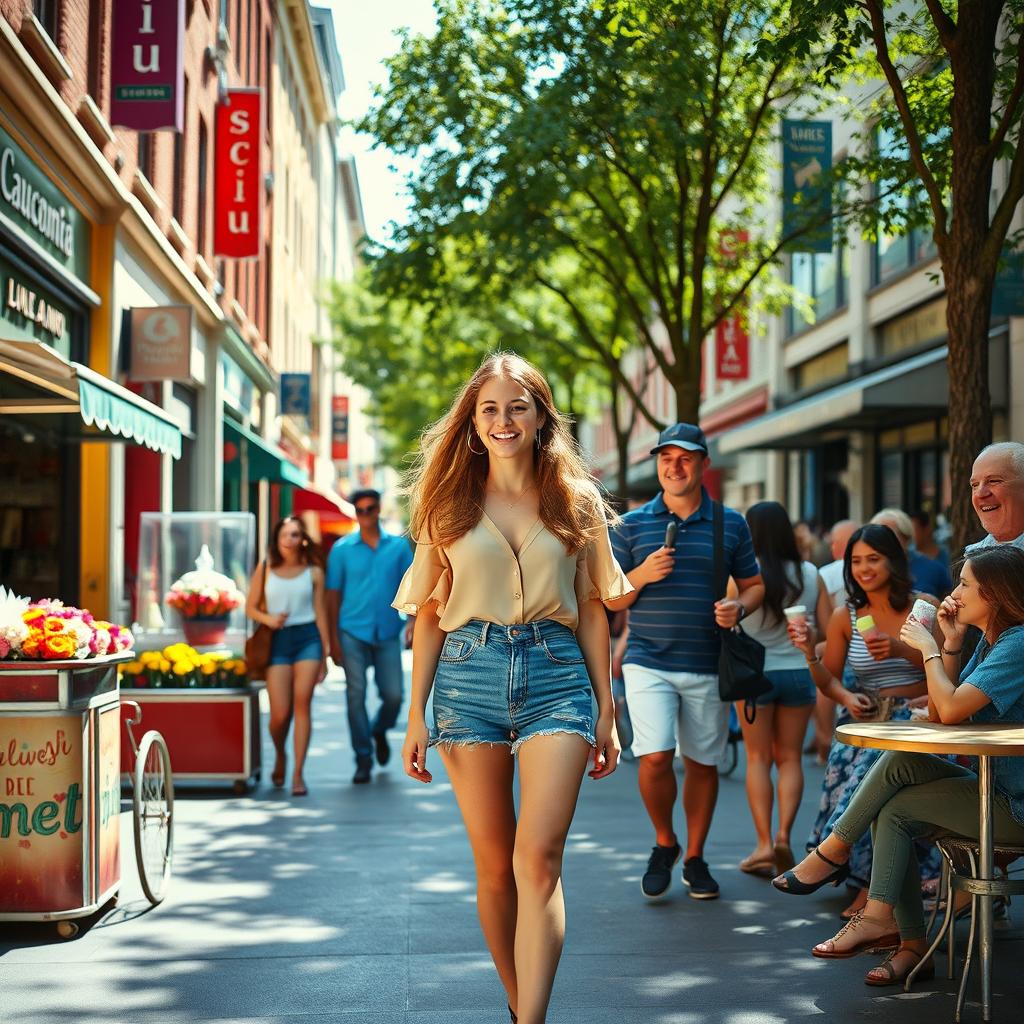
(153, 808)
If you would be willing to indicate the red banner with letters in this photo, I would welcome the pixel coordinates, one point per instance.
(238, 185)
(339, 428)
(732, 349)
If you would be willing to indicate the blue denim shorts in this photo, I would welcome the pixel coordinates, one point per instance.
(296, 643)
(503, 684)
(791, 687)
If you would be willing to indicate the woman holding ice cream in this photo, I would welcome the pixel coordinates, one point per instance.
(889, 673)
(793, 591)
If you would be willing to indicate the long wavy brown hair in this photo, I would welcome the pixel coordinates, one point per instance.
(447, 482)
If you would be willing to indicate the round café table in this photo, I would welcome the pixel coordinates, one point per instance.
(983, 742)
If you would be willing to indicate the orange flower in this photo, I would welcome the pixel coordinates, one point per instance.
(32, 644)
(33, 617)
(59, 645)
(51, 624)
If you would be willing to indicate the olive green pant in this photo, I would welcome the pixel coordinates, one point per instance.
(905, 797)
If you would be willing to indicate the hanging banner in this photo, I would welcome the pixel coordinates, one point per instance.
(806, 185)
(161, 343)
(296, 394)
(732, 349)
(238, 175)
(339, 428)
(147, 58)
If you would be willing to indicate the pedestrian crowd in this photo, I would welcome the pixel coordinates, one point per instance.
(521, 578)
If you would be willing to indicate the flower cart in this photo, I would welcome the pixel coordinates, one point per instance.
(189, 677)
(60, 752)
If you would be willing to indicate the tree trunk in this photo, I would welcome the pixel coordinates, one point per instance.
(969, 301)
(687, 394)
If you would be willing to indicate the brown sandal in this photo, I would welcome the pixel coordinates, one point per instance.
(879, 942)
(926, 973)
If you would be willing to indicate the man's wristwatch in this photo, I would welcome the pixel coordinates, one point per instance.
(743, 611)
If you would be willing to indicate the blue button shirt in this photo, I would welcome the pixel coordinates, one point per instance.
(929, 575)
(672, 622)
(368, 579)
(996, 672)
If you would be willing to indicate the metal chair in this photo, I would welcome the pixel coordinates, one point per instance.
(960, 874)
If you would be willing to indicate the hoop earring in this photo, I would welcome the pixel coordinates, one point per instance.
(469, 443)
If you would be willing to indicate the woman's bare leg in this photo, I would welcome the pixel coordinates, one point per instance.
(758, 739)
(481, 777)
(790, 728)
(279, 693)
(550, 772)
(305, 673)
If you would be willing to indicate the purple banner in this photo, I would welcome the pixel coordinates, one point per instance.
(148, 66)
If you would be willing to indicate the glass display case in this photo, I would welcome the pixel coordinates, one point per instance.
(193, 575)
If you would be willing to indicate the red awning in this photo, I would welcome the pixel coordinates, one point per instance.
(308, 499)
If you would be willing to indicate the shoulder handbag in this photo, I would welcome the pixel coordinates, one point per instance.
(257, 647)
(741, 658)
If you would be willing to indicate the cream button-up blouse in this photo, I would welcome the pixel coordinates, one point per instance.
(479, 576)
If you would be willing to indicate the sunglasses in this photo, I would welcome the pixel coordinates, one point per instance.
(366, 510)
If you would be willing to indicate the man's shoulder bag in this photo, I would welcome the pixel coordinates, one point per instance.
(257, 647)
(741, 658)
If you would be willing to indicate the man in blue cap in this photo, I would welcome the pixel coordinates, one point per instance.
(671, 661)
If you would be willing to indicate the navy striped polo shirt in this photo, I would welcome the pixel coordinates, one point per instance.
(672, 622)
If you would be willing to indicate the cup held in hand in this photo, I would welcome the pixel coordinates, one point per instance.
(923, 612)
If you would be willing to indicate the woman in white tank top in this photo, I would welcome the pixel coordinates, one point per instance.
(291, 584)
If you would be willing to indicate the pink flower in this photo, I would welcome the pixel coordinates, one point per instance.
(5, 648)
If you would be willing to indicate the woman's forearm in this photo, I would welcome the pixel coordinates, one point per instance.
(595, 643)
(427, 640)
(825, 681)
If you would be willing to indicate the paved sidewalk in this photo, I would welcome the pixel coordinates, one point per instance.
(355, 905)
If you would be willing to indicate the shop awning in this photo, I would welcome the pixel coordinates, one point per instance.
(313, 499)
(45, 383)
(890, 397)
(265, 462)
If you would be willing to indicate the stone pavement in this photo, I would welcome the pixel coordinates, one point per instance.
(355, 906)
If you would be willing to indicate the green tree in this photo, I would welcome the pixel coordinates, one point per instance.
(627, 137)
(955, 77)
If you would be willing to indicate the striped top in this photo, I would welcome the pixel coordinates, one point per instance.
(672, 623)
(875, 676)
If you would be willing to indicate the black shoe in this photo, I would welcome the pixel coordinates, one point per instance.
(788, 882)
(698, 878)
(380, 742)
(362, 775)
(658, 876)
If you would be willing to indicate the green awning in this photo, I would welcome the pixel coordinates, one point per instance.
(265, 462)
(116, 410)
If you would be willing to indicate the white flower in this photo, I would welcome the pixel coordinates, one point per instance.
(12, 626)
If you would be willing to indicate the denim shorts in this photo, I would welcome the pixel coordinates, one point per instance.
(791, 687)
(296, 643)
(503, 684)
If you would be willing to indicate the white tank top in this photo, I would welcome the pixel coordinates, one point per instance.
(293, 595)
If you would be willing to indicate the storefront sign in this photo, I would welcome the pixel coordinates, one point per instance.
(732, 349)
(161, 343)
(41, 801)
(30, 313)
(238, 191)
(239, 390)
(915, 329)
(806, 185)
(147, 90)
(33, 202)
(339, 428)
(296, 394)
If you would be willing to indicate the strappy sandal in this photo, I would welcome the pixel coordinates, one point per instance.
(892, 977)
(788, 882)
(879, 942)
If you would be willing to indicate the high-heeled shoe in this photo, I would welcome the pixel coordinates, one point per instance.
(789, 883)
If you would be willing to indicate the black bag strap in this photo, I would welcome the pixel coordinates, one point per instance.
(718, 543)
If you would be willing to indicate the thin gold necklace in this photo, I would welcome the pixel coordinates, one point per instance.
(511, 504)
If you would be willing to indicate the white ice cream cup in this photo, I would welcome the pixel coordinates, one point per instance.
(924, 613)
(796, 613)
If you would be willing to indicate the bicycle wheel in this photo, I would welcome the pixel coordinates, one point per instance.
(153, 813)
(732, 757)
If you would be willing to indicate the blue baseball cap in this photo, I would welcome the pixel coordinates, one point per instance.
(682, 435)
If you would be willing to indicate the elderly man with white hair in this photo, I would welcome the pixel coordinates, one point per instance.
(997, 493)
(927, 575)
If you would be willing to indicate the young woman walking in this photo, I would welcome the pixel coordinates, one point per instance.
(776, 735)
(291, 583)
(512, 563)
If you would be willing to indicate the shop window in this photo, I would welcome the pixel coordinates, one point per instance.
(46, 12)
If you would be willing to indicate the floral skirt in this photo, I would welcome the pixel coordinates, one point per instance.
(844, 770)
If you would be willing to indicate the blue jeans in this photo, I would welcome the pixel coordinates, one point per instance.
(386, 659)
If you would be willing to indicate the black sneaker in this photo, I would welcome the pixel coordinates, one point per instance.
(698, 878)
(362, 774)
(658, 876)
(380, 743)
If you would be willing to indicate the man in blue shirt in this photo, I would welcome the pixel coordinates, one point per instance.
(364, 570)
(671, 661)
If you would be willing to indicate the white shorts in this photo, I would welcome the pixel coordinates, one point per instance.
(664, 705)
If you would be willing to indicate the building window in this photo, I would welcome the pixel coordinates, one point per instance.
(46, 14)
(824, 278)
(202, 179)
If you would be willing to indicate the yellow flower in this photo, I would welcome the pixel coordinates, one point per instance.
(164, 665)
(209, 668)
(182, 668)
(150, 659)
(51, 624)
(132, 668)
(240, 668)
